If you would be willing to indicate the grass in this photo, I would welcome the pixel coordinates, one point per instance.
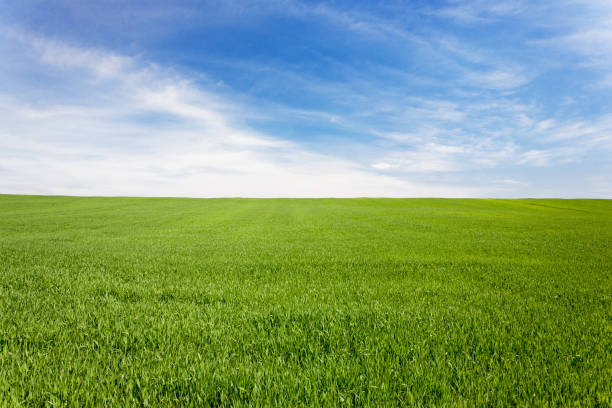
(291, 302)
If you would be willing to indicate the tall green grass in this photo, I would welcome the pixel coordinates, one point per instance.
(291, 302)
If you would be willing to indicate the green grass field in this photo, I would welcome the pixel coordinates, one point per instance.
(290, 302)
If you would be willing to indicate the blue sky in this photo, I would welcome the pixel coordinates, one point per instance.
(288, 98)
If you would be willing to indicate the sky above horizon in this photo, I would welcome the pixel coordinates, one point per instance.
(287, 98)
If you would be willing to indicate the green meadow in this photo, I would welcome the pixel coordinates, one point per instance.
(305, 302)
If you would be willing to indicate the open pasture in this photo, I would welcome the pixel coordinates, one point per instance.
(290, 302)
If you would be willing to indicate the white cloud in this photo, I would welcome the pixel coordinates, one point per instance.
(494, 134)
(509, 181)
(203, 151)
(477, 11)
(497, 79)
(61, 55)
(435, 157)
(549, 156)
(384, 166)
(583, 29)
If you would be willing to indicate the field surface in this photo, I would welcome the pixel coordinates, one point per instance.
(291, 302)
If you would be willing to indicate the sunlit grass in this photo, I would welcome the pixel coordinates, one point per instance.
(134, 301)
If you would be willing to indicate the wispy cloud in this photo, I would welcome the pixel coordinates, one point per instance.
(585, 31)
(435, 157)
(202, 150)
(478, 11)
(550, 156)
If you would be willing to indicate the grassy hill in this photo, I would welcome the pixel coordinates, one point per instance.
(156, 301)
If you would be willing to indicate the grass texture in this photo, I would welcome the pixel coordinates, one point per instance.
(305, 302)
